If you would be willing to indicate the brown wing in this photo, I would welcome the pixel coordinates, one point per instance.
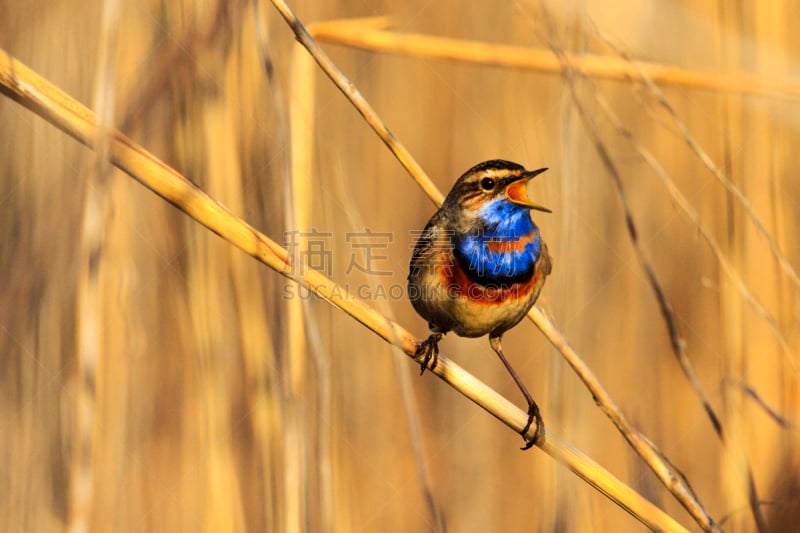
(545, 261)
(426, 244)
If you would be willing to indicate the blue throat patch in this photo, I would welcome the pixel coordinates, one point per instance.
(504, 221)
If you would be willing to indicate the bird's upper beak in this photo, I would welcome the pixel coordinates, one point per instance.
(516, 191)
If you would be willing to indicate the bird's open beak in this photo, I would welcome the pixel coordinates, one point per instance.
(516, 191)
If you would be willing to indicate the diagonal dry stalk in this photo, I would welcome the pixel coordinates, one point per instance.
(751, 393)
(35, 93)
(672, 479)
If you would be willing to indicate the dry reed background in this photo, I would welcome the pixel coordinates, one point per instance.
(213, 413)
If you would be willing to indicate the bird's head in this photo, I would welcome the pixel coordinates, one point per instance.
(497, 182)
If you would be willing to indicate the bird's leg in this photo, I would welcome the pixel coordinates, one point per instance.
(429, 347)
(533, 409)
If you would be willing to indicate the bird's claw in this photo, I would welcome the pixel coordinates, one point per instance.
(538, 436)
(430, 347)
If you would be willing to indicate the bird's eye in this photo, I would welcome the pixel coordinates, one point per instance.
(487, 184)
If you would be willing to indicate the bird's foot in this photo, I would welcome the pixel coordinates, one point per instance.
(538, 436)
(429, 347)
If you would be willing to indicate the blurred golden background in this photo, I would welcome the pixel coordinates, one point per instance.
(221, 398)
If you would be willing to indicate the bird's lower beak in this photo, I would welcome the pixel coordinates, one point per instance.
(517, 192)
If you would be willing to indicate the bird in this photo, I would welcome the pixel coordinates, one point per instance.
(479, 264)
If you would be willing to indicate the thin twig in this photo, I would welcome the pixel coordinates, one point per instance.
(748, 390)
(726, 517)
(35, 93)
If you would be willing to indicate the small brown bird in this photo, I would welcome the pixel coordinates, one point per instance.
(480, 264)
